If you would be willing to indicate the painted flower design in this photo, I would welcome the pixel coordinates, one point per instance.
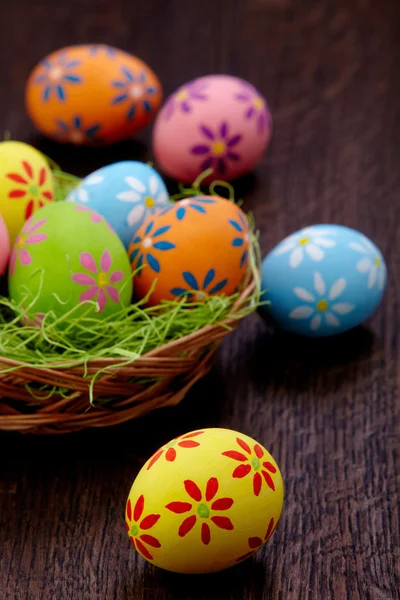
(197, 204)
(198, 291)
(218, 148)
(32, 187)
(255, 107)
(36, 321)
(370, 263)
(241, 238)
(184, 99)
(81, 193)
(96, 49)
(132, 91)
(75, 132)
(202, 510)
(56, 75)
(149, 241)
(145, 198)
(94, 216)
(255, 543)
(309, 242)
(29, 235)
(169, 451)
(321, 304)
(99, 286)
(137, 527)
(252, 462)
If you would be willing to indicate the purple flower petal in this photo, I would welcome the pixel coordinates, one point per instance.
(207, 132)
(233, 156)
(233, 141)
(207, 163)
(243, 97)
(250, 112)
(224, 129)
(200, 149)
(197, 96)
(221, 165)
(185, 107)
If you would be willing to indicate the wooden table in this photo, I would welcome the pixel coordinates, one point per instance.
(327, 410)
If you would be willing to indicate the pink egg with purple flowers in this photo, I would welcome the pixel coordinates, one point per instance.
(217, 122)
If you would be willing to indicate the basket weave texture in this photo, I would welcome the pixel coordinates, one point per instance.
(160, 378)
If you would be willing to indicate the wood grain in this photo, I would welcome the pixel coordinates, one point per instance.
(329, 411)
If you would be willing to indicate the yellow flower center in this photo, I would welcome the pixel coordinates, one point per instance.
(103, 279)
(377, 261)
(322, 306)
(258, 103)
(149, 202)
(33, 190)
(55, 74)
(182, 95)
(135, 91)
(218, 148)
(303, 241)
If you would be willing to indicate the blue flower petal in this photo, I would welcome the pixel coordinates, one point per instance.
(190, 280)
(146, 105)
(199, 208)
(161, 230)
(120, 98)
(131, 112)
(72, 63)
(60, 93)
(208, 278)
(46, 64)
(179, 292)
(180, 213)
(236, 225)
(219, 286)
(91, 132)
(149, 228)
(140, 262)
(73, 78)
(151, 90)
(244, 256)
(205, 200)
(127, 74)
(118, 84)
(137, 240)
(153, 263)
(164, 246)
(62, 125)
(77, 122)
(134, 254)
(237, 242)
(41, 78)
(142, 77)
(46, 93)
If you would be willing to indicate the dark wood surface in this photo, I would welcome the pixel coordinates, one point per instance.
(329, 411)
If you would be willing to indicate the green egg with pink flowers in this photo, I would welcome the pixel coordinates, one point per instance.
(68, 260)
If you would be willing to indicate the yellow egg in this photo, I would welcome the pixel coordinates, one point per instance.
(26, 184)
(204, 502)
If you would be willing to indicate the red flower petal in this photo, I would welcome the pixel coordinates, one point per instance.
(154, 459)
(170, 454)
(212, 488)
(235, 455)
(17, 178)
(143, 550)
(257, 483)
(205, 534)
(150, 540)
(47, 195)
(241, 471)
(194, 434)
(17, 194)
(188, 444)
(139, 506)
(29, 209)
(268, 480)
(129, 509)
(269, 466)
(255, 542)
(149, 521)
(193, 490)
(42, 176)
(133, 541)
(244, 556)
(187, 525)
(179, 507)
(222, 523)
(259, 451)
(127, 525)
(270, 530)
(222, 504)
(27, 168)
(243, 445)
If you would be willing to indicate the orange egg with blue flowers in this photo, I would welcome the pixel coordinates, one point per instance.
(196, 248)
(92, 94)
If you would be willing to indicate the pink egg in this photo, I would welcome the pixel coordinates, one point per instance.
(217, 121)
(4, 246)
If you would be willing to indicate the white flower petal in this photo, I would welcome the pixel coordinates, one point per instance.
(381, 278)
(324, 242)
(368, 244)
(153, 185)
(301, 312)
(162, 198)
(331, 319)
(136, 214)
(373, 274)
(83, 195)
(314, 252)
(343, 308)
(129, 196)
(304, 294)
(337, 288)
(135, 184)
(284, 248)
(319, 284)
(315, 322)
(94, 179)
(71, 197)
(358, 247)
(296, 257)
(364, 265)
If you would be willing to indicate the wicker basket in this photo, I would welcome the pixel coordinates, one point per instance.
(172, 369)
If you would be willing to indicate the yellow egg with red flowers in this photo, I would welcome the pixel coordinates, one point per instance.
(204, 502)
(92, 94)
(195, 248)
(26, 184)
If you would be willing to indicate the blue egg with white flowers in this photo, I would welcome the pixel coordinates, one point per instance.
(322, 280)
(124, 193)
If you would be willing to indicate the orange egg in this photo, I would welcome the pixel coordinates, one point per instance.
(195, 248)
(92, 94)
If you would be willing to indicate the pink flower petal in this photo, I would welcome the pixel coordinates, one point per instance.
(35, 227)
(105, 261)
(35, 239)
(102, 300)
(116, 276)
(96, 218)
(88, 262)
(83, 279)
(89, 294)
(13, 260)
(25, 257)
(113, 293)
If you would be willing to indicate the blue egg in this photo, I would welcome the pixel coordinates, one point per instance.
(322, 280)
(124, 193)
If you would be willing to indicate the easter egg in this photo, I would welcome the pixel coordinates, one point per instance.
(197, 247)
(92, 94)
(205, 501)
(218, 122)
(4, 246)
(124, 193)
(26, 184)
(66, 256)
(323, 280)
